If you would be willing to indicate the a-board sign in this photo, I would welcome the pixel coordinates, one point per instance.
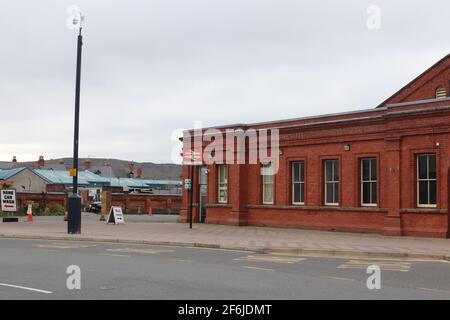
(8, 200)
(116, 216)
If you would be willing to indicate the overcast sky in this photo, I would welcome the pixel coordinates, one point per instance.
(151, 67)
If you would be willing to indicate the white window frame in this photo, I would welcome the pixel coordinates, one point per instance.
(332, 181)
(264, 183)
(419, 205)
(222, 185)
(370, 181)
(302, 183)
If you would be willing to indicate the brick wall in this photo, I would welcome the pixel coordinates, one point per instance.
(45, 200)
(141, 203)
(394, 136)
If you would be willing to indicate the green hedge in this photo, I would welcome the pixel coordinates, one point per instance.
(55, 210)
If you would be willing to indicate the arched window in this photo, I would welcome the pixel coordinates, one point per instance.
(441, 93)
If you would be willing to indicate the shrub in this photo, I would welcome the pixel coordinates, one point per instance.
(57, 210)
(35, 207)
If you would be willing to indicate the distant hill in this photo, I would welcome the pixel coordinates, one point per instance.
(119, 168)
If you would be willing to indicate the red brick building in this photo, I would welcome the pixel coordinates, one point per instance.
(383, 170)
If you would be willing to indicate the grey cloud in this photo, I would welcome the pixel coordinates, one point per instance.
(150, 67)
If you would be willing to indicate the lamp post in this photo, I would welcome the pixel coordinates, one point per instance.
(74, 217)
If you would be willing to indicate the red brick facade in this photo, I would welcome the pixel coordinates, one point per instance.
(410, 123)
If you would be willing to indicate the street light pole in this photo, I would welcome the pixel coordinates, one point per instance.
(74, 218)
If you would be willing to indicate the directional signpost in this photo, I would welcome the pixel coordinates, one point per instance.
(191, 158)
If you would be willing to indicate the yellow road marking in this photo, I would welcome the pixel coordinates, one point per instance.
(273, 259)
(256, 268)
(136, 250)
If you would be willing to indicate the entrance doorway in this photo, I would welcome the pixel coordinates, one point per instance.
(203, 190)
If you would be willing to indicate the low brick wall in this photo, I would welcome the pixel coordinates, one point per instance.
(45, 200)
(141, 203)
(130, 203)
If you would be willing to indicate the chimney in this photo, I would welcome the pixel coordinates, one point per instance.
(14, 160)
(130, 173)
(88, 165)
(41, 162)
(138, 174)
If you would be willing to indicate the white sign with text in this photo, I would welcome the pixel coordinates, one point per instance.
(116, 216)
(8, 200)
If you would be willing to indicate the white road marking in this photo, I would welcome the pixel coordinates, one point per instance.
(113, 255)
(181, 260)
(24, 288)
(136, 250)
(384, 265)
(63, 246)
(338, 278)
(434, 290)
(256, 268)
(273, 259)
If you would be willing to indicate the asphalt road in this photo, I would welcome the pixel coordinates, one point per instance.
(36, 269)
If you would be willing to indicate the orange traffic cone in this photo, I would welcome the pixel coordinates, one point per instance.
(30, 214)
(150, 211)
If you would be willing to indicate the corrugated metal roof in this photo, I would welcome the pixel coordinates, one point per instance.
(89, 179)
(59, 177)
(6, 174)
(127, 182)
(162, 183)
(94, 178)
(141, 183)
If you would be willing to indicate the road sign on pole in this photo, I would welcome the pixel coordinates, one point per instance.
(191, 158)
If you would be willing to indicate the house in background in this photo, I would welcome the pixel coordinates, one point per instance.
(23, 180)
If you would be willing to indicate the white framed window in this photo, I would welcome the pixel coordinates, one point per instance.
(369, 182)
(267, 184)
(441, 93)
(426, 181)
(331, 174)
(223, 183)
(298, 182)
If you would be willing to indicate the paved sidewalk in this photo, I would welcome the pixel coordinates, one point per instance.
(270, 240)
